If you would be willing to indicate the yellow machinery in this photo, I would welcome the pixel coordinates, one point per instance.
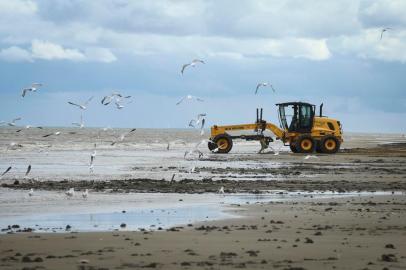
(300, 128)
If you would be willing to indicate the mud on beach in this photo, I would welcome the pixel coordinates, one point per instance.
(381, 168)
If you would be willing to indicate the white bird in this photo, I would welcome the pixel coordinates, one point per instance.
(197, 120)
(28, 170)
(70, 192)
(28, 127)
(192, 64)
(202, 127)
(12, 123)
(14, 146)
(114, 96)
(189, 97)
(52, 134)
(384, 30)
(34, 87)
(311, 156)
(81, 106)
(81, 124)
(85, 193)
(119, 106)
(168, 143)
(197, 151)
(31, 192)
(263, 84)
(221, 190)
(192, 170)
(122, 136)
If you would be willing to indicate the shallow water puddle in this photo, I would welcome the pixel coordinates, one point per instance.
(52, 212)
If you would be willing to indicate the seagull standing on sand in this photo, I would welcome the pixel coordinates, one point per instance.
(85, 194)
(221, 190)
(264, 84)
(31, 192)
(70, 193)
(6, 171)
(92, 158)
(34, 87)
(311, 156)
(81, 106)
(384, 30)
(189, 97)
(191, 64)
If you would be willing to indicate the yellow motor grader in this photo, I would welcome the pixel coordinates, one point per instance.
(300, 128)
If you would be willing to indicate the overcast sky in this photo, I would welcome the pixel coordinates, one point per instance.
(315, 51)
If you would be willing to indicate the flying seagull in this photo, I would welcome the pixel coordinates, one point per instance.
(81, 124)
(28, 127)
(189, 97)
(92, 158)
(6, 171)
(50, 134)
(81, 106)
(122, 136)
(115, 96)
(191, 64)
(263, 84)
(221, 190)
(384, 30)
(197, 120)
(28, 170)
(12, 123)
(33, 88)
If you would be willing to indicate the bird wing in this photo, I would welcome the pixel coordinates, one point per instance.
(191, 123)
(74, 104)
(382, 33)
(28, 170)
(203, 122)
(24, 92)
(256, 89)
(16, 119)
(180, 101)
(6, 171)
(198, 61)
(183, 67)
(87, 101)
(199, 99)
(47, 135)
(104, 100)
(273, 89)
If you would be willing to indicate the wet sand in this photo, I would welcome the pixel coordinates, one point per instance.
(347, 233)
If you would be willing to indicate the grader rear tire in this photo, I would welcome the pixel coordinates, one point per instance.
(329, 144)
(224, 143)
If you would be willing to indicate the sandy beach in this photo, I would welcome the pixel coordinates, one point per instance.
(343, 211)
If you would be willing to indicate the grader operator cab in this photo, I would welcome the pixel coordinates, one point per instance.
(300, 128)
